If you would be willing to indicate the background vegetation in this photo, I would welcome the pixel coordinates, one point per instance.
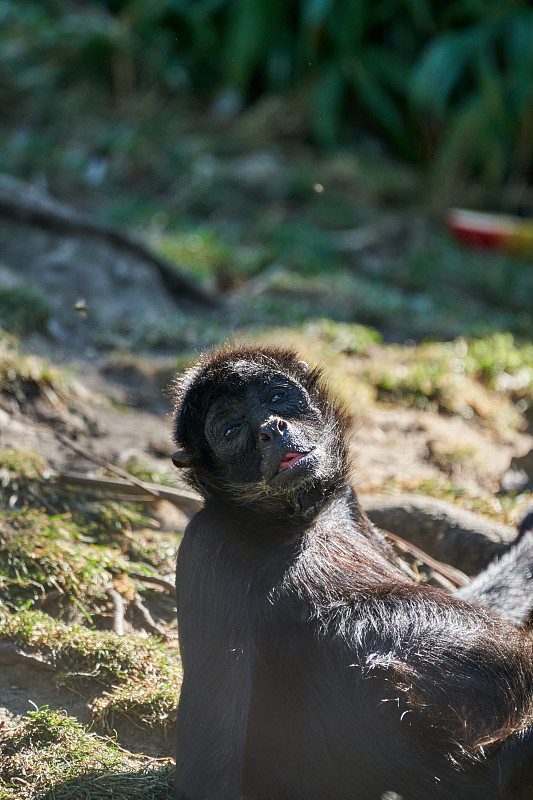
(443, 83)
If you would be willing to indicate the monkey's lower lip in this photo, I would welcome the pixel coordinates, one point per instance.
(290, 459)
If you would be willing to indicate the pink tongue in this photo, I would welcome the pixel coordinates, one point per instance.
(289, 459)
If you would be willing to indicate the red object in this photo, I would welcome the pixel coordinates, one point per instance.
(491, 231)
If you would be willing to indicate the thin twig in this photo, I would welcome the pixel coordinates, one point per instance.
(157, 579)
(188, 502)
(149, 621)
(118, 610)
(452, 574)
(111, 467)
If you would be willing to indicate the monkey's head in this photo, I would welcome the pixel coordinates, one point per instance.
(257, 426)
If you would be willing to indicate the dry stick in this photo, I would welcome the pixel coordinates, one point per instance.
(149, 621)
(452, 574)
(118, 610)
(156, 579)
(103, 463)
(27, 206)
(186, 501)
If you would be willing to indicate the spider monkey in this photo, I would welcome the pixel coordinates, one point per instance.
(314, 669)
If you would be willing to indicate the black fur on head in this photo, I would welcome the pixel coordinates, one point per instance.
(226, 374)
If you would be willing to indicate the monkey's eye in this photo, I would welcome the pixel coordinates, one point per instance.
(232, 429)
(277, 396)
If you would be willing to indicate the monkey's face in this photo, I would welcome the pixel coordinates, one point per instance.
(267, 431)
(256, 425)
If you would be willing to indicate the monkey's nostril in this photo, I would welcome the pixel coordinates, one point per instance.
(272, 428)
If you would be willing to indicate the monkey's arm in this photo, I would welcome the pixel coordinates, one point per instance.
(212, 717)
(216, 651)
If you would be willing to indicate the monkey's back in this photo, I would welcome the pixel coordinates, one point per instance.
(354, 735)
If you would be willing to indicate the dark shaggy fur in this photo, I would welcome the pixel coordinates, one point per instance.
(313, 668)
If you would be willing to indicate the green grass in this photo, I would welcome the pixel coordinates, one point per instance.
(488, 379)
(50, 756)
(137, 676)
(23, 310)
(24, 376)
(40, 553)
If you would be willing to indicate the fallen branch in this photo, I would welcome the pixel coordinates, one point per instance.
(103, 463)
(452, 574)
(187, 502)
(28, 204)
(155, 579)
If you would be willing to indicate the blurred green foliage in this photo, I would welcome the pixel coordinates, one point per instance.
(452, 80)
(23, 309)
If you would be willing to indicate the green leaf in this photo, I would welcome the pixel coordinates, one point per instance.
(315, 12)
(382, 106)
(442, 65)
(327, 100)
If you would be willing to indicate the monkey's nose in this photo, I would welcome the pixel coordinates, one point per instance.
(273, 427)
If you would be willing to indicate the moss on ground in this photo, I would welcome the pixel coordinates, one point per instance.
(138, 676)
(33, 382)
(488, 380)
(50, 756)
(23, 310)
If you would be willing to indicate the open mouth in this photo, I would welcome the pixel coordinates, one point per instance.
(290, 459)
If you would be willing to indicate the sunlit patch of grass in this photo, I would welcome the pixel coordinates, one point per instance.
(26, 377)
(137, 675)
(346, 338)
(503, 363)
(51, 755)
(39, 553)
(471, 378)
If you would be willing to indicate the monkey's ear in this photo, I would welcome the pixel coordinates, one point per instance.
(303, 366)
(181, 459)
